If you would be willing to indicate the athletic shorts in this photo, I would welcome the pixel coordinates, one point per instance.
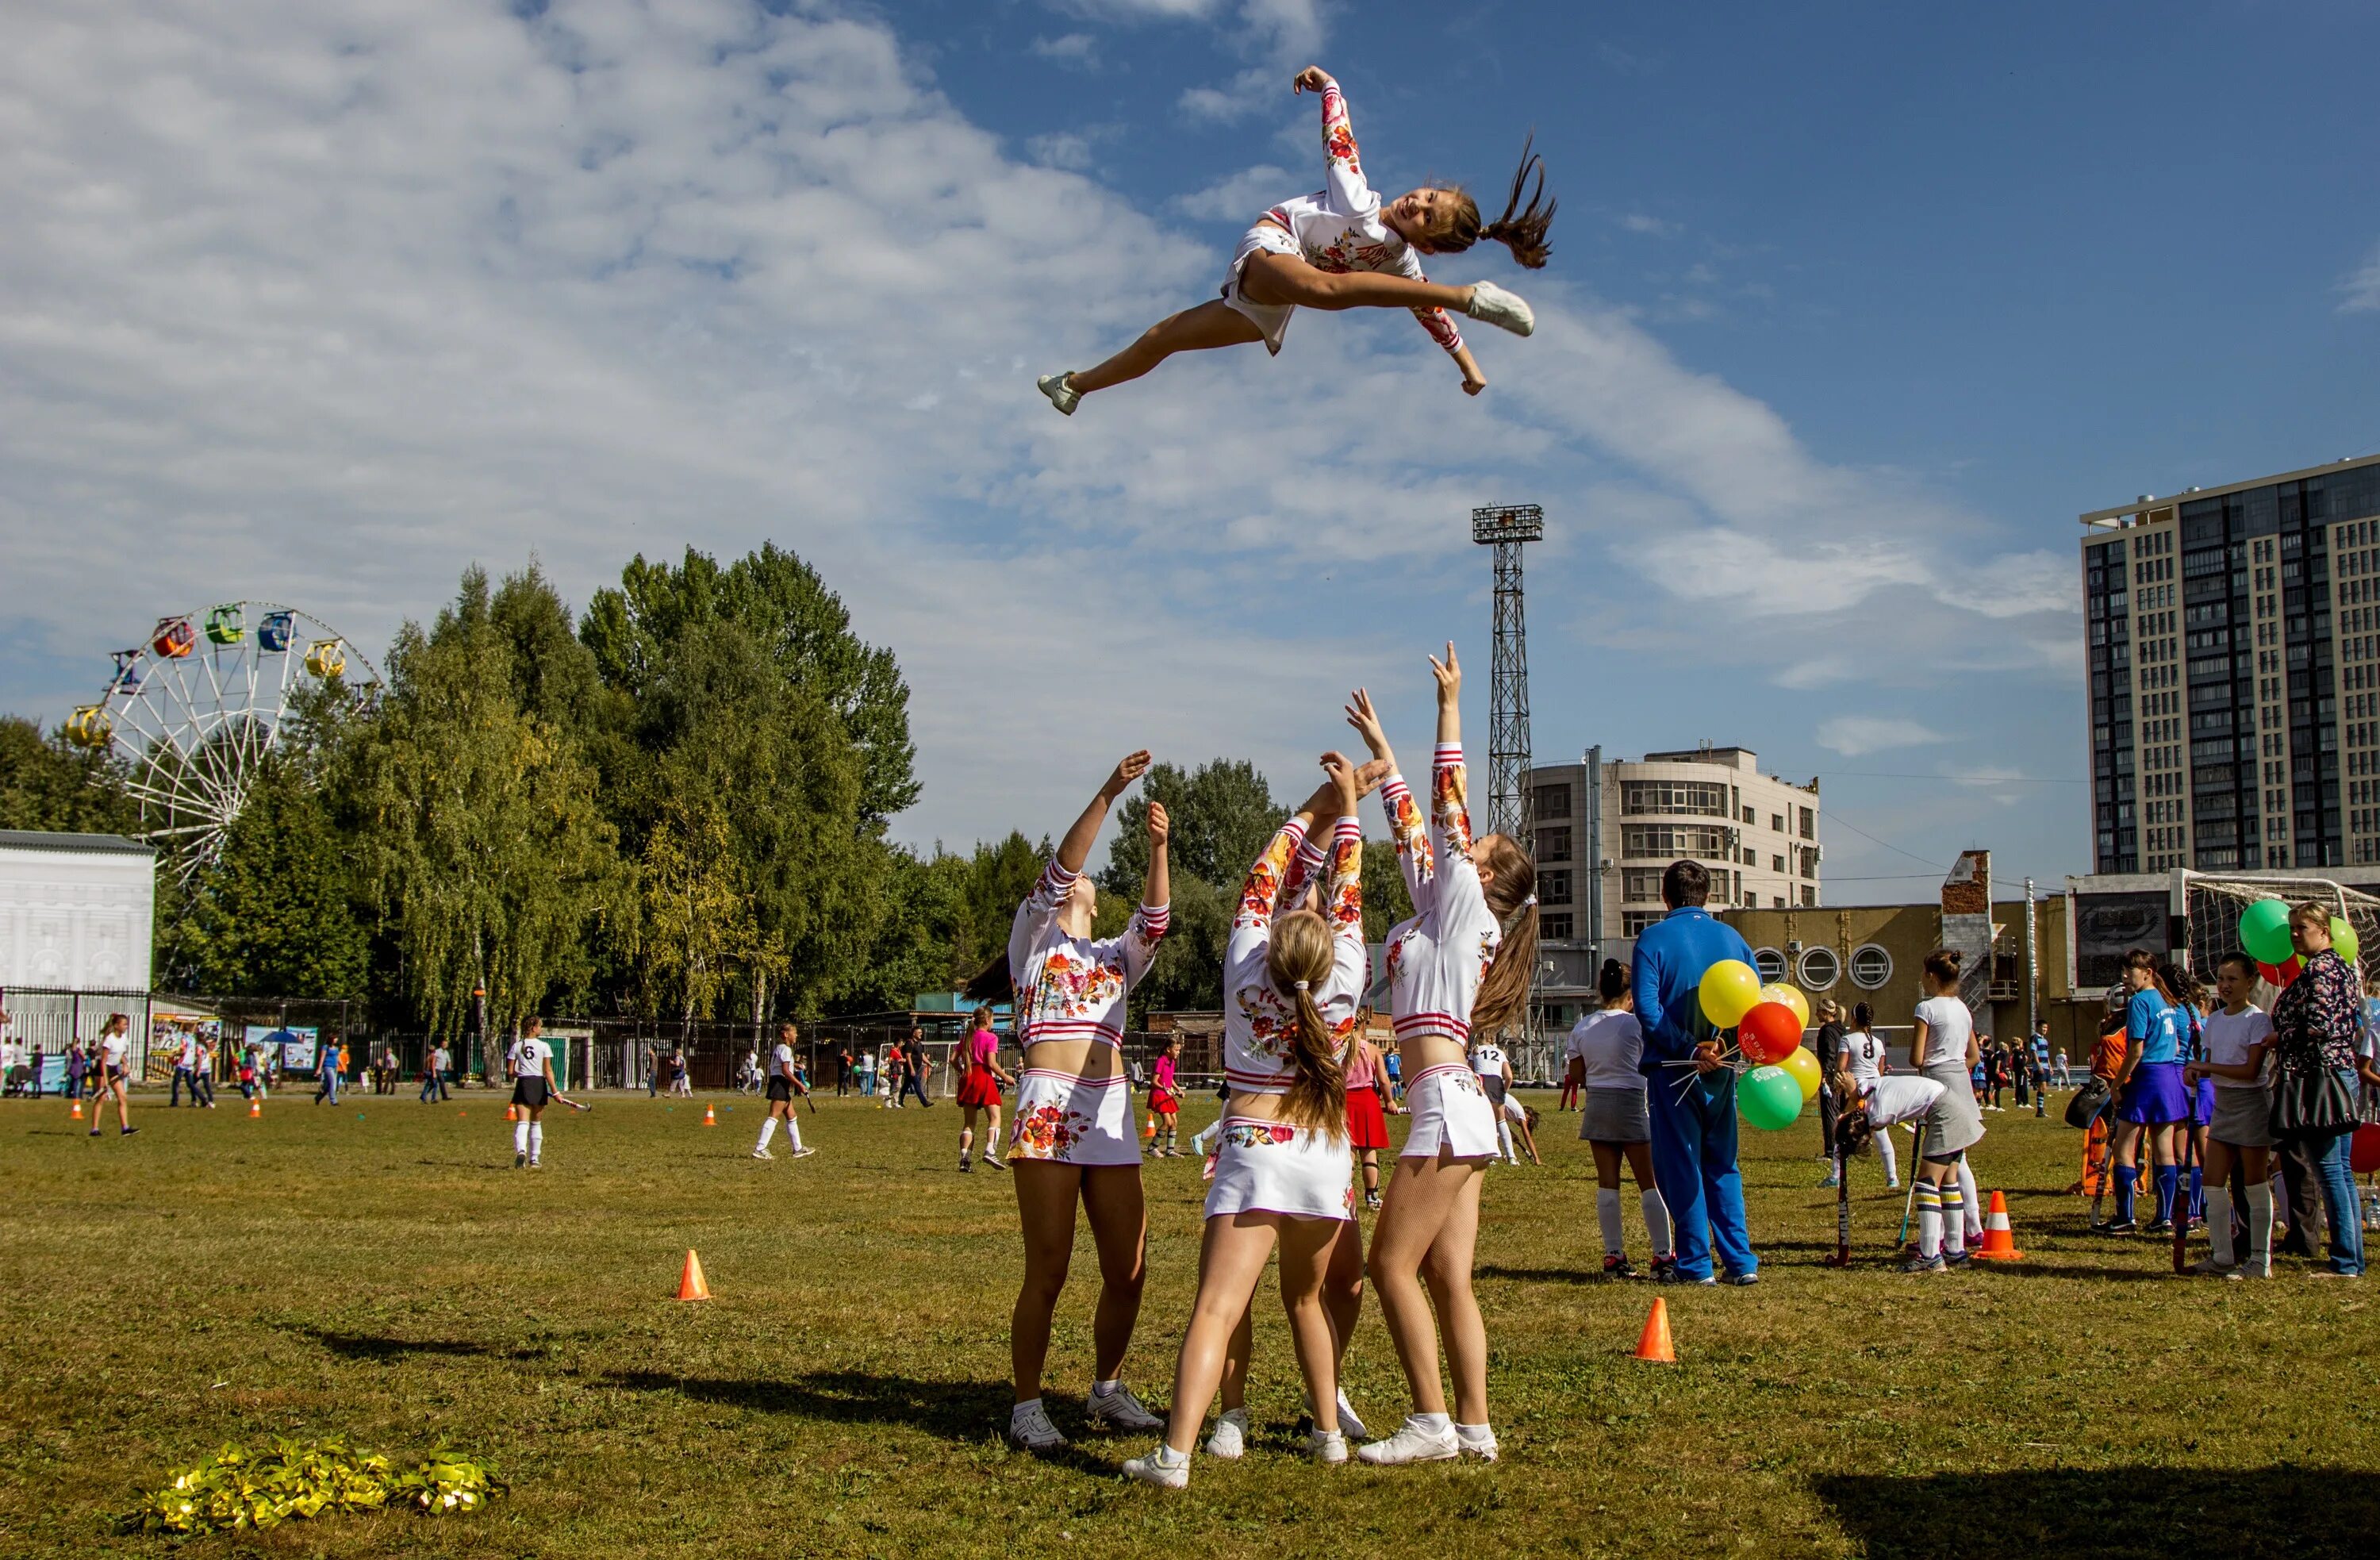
(1272, 319)
(1450, 1111)
(530, 1091)
(779, 1089)
(1272, 1167)
(2153, 1095)
(1071, 1120)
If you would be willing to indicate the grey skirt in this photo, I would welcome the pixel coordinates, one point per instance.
(1955, 1122)
(2244, 1115)
(1614, 1115)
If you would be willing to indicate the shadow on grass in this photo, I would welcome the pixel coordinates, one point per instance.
(371, 1346)
(2293, 1513)
(955, 1410)
(1539, 1274)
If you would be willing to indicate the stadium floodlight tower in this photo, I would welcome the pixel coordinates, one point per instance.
(1508, 529)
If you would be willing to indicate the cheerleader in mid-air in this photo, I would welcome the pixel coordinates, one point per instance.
(1342, 248)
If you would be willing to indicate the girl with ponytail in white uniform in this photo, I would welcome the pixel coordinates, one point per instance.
(1285, 1173)
(1614, 1123)
(1462, 962)
(1864, 1063)
(1072, 1141)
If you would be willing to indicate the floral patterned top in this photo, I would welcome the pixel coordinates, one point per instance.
(2316, 1022)
(1437, 959)
(1073, 988)
(1339, 227)
(1257, 1017)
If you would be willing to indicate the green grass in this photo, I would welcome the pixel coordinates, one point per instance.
(380, 1271)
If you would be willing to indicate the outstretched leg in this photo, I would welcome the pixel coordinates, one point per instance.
(1211, 323)
(1268, 278)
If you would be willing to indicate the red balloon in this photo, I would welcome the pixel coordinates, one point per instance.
(2363, 1150)
(1769, 1033)
(2280, 975)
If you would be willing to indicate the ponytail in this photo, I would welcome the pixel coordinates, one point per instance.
(1522, 229)
(1504, 989)
(1298, 959)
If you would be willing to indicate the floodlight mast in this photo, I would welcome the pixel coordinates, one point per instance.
(1508, 529)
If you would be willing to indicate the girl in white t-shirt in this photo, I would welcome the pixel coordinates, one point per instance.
(114, 1047)
(1608, 1045)
(1864, 1061)
(1944, 1049)
(2236, 1037)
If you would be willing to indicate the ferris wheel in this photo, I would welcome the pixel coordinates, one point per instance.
(194, 708)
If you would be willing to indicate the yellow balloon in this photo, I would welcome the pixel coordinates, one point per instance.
(1804, 1069)
(1790, 996)
(1730, 990)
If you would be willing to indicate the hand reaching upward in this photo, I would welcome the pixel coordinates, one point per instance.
(1448, 673)
(1366, 722)
(1129, 768)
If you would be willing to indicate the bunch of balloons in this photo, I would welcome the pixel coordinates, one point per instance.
(1767, 1021)
(2265, 933)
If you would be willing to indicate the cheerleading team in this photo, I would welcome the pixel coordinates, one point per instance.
(979, 1088)
(1072, 1143)
(1607, 1056)
(1462, 963)
(1343, 248)
(1292, 978)
(1943, 1049)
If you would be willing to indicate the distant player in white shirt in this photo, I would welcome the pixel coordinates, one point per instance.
(784, 1082)
(1864, 1060)
(530, 1060)
(114, 1044)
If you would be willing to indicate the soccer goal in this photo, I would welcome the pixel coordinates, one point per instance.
(2210, 905)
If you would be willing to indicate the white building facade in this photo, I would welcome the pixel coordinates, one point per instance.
(76, 911)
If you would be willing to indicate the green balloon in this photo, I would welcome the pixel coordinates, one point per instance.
(2265, 932)
(1768, 1098)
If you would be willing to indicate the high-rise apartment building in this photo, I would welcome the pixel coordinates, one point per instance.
(2232, 636)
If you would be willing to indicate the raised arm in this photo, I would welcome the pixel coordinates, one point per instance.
(1040, 910)
(1449, 815)
(1154, 915)
(1405, 828)
(1075, 849)
(1342, 168)
(1441, 328)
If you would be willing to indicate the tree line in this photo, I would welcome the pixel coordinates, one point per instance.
(675, 805)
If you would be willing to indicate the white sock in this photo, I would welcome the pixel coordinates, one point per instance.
(2218, 1224)
(2259, 1226)
(1929, 1220)
(1884, 1151)
(1971, 1226)
(1504, 1131)
(537, 1140)
(1657, 1221)
(794, 1134)
(1474, 1432)
(1954, 1220)
(1431, 1425)
(767, 1129)
(520, 1136)
(1107, 1388)
(1607, 1213)
(967, 1143)
(1168, 1457)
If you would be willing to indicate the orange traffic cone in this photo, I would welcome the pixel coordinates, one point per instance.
(1148, 1129)
(1999, 1241)
(508, 1113)
(709, 1117)
(690, 1285)
(1654, 1343)
(255, 1107)
(77, 1109)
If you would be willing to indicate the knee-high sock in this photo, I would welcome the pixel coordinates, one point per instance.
(2126, 1178)
(767, 1129)
(2218, 1224)
(2168, 1183)
(2198, 1191)
(1973, 1201)
(2260, 1225)
(537, 1140)
(1884, 1151)
(1607, 1213)
(966, 1141)
(1504, 1131)
(1954, 1218)
(1929, 1220)
(794, 1134)
(520, 1136)
(1657, 1221)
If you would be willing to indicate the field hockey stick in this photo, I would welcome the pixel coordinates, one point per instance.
(1842, 1257)
(560, 1098)
(1910, 1206)
(2183, 1166)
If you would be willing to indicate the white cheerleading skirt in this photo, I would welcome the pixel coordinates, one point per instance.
(1272, 1167)
(1070, 1120)
(1450, 1111)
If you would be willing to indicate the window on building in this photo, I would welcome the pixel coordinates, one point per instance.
(1809, 862)
(1699, 799)
(1777, 864)
(1771, 963)
(1553, 845)
(1777, 822)
(1818, 968)
(1809, 823)
(1777, 902)
(1634, 923)
(1640, 882)
(1749, 816)
(1706, 841)
(1556, 928)
(1550, 801)
(1871, 967)
(1809, 897)
(1553, 889)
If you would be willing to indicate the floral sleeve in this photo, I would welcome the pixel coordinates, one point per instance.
(1343, 895)
(1342, 168)
(1261, 892)
(1411, 840)
(1450, 826)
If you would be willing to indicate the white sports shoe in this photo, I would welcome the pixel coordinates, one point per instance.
(1348, 1422)
(1066, 398)
(1494, 306)
(1326, 1447)
(1229, 1440)
(1411, 1444)
(1029, 1429)
(1121, 1410)
(803, 1152)
(1164, 1467)
(1484, 1448)
(762, 1153)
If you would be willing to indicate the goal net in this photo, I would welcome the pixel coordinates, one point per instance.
(2211, 905)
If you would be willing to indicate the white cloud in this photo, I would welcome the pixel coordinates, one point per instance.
(1061, 149)
(1651, 226)
(1078, 50)
(1240, 197)
(2360, 292)
(1855, 736)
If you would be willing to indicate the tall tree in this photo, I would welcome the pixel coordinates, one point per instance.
(273, 916)
(47, 783)
(1223, 814)
(698, 926)
(485, 848)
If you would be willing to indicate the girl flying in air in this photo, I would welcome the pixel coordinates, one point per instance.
(1343, 248)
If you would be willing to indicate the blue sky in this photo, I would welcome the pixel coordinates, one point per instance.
(1852, 309)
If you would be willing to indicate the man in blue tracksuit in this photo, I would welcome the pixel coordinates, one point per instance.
(1693, 1112)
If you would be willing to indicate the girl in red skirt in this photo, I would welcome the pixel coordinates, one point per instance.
(1367, 1125)
(1165, 1100)
(980, 1088)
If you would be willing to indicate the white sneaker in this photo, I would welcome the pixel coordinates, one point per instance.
(992, 1162)
(762, 1153)
(1492, 305)
(1411, 1444)
(1326, 1447)
(1230, 1437)
(1164, 1468)
(1029, 1429)
(803, 1152)
(1065, 397)
(1484, 1448)
(1347, 1419)
(1121, 1410)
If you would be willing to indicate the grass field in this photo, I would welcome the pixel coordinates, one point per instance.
(380, 1271)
